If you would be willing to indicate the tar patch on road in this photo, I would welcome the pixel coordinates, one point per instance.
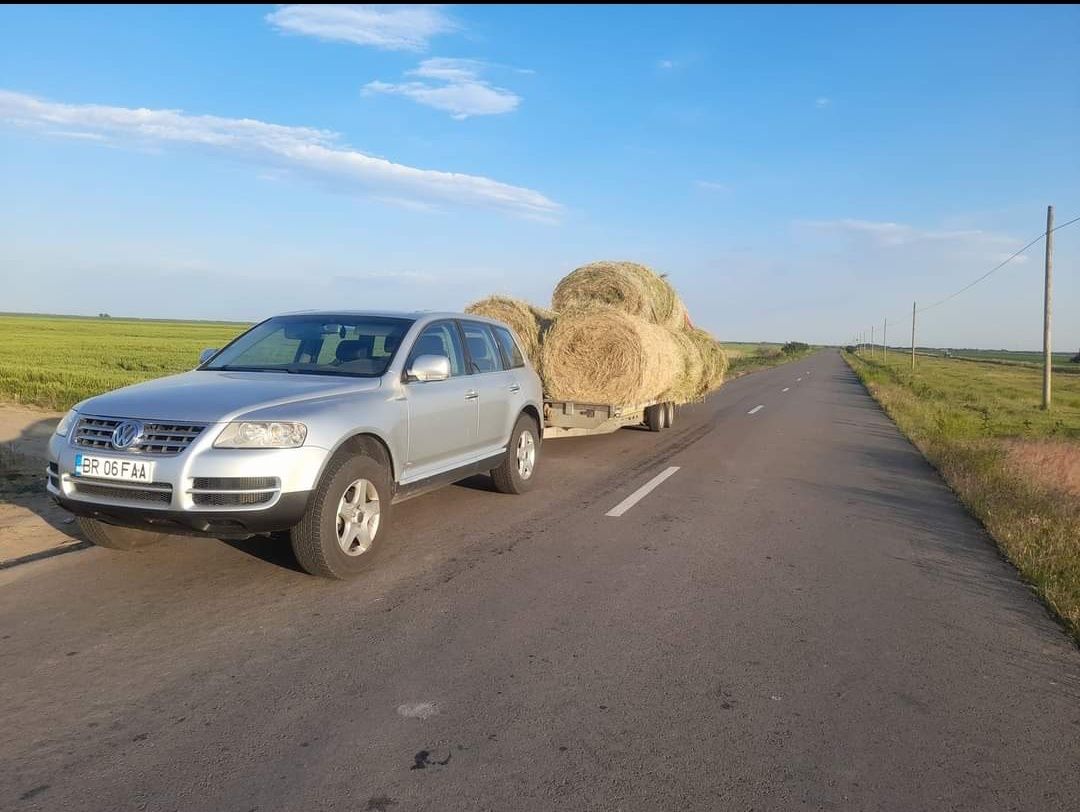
(423, 760)
(380, 803)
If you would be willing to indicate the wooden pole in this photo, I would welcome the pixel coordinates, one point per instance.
(1048, 294)
(885, 342)
(913, 336)
(871, 341)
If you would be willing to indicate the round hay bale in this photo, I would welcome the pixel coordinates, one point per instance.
(528, 321)
(689, 382)
(714, 359)
(605, 355)
(626, 286)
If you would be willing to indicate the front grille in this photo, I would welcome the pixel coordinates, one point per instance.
(234, 483)
(159, 439)
(52, 473)
(154, 492)
(237, 491)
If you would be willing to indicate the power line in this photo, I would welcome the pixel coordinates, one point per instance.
(996, 268)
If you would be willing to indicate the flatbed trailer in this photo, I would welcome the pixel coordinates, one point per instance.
(564, 418)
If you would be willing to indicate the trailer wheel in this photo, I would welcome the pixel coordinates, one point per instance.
(654, 416)
(669, 412)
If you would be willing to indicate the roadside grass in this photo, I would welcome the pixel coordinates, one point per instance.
(744, 358)
(1012, 464)
(54, 362)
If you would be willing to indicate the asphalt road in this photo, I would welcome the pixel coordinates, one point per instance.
(800, 615)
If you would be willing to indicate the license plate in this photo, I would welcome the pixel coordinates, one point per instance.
(107, 468)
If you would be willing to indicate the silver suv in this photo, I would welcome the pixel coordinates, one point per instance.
(310, 423)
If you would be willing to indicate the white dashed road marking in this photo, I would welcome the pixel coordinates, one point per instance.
(756, 409)
(785, 389)
(641, 493)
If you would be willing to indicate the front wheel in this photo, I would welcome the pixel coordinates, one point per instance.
(515, 474)
(117, 538)
(348, 512)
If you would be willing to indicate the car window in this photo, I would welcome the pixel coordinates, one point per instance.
(511, 351)
(484, 355)
(440, 338)
(315, 345)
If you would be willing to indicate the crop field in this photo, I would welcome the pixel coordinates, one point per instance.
(55, 361)
(1016, 466)
(746, 357)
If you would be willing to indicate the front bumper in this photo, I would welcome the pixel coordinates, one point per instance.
(286, 512)
(203, 490)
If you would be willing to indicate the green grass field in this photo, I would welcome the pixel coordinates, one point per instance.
(55, 361)
(1014, 465)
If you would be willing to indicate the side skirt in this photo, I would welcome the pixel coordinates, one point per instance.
(433, 483)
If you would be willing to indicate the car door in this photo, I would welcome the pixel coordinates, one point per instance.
(496, 384)
(442, 414)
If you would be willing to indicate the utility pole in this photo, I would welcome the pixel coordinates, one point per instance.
(885, 342)
(1048, 294)
(913, 337)
(871, 341)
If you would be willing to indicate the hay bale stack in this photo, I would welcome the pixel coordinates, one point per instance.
(690, 376)
(528, 321)
(714, 360)
(605, 355)
(626, 286)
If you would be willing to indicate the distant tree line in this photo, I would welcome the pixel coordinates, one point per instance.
(794, 348)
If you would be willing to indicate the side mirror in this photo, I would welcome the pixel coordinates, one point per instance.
(429, 368)
(207, 354)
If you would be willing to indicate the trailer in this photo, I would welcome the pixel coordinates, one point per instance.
(564, 418)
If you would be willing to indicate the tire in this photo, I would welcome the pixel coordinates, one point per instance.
(669, 414)
(357, 482)
(654, 416)
(518, 468)
(117, 538)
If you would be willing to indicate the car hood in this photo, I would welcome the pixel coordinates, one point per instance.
(207, 396)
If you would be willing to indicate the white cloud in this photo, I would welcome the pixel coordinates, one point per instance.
(317, 153)
(665, 64)
(822, 101)
(453, 86)
(390, 27)
(712, 186)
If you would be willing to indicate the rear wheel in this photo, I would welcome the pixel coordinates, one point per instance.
(515, 474)
(347, 514)
(654, 416)
(669, 412)
(117, 538)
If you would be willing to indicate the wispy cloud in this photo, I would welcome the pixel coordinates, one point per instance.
(886, 233)
(665, 64)
(712, 186)
(314, 152)
(390, 27)
(822, 102)
(454, 86)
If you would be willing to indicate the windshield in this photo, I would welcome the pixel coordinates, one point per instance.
(357, 346)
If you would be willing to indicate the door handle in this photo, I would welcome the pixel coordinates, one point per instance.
(515, 388)
(472, 394)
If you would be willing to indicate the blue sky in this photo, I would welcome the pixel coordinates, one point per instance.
(798, 172)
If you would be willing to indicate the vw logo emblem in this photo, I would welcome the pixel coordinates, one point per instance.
(125, 435)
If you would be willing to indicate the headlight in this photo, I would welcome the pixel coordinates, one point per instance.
(261, 434)
(66, 422)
